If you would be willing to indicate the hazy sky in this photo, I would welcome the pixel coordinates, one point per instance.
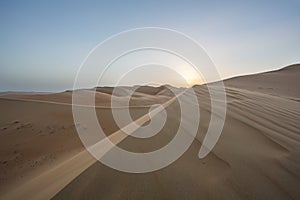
(44, 42)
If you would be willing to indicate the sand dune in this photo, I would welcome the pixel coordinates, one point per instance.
(142, 96)
(283, 82)
(256, 157)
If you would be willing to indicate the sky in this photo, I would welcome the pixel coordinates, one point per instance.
(43, 43)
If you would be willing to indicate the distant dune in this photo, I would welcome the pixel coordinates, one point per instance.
(256, 157)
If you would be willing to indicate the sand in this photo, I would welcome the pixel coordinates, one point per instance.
(283, 82)
(256, 157)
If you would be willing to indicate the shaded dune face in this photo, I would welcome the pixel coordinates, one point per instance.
(256, 157)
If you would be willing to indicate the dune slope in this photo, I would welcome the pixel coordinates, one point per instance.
(283, 82)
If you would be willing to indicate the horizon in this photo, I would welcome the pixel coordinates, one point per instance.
(142, 85)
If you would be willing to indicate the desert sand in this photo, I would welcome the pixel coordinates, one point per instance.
(256, 157)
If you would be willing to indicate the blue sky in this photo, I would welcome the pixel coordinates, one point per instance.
(44, 42)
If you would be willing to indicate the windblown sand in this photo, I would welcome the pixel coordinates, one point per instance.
(256, 157)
